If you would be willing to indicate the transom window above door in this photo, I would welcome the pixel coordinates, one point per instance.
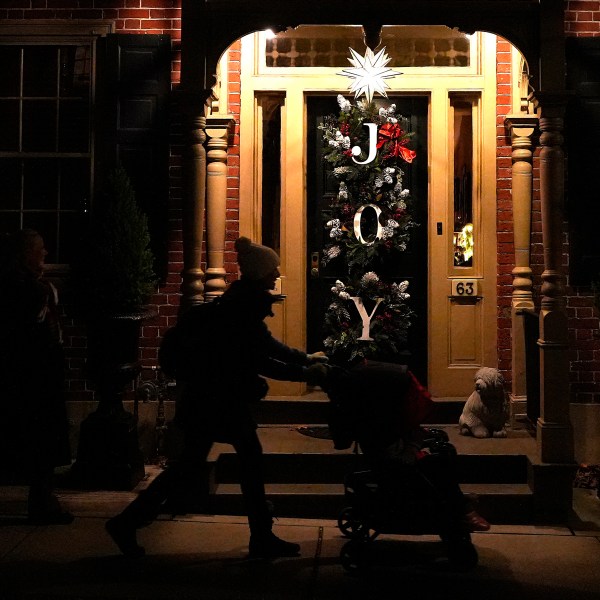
(407, 45)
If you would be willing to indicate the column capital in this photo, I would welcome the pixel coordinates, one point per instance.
(220, 126)
(521, 125)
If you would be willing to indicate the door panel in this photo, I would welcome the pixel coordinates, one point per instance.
(409, 265)
(133, 90)
(464, 332)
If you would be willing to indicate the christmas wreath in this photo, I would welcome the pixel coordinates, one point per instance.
(383, 333)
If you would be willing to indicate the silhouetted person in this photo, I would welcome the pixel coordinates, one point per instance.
(35, 429)
(216, 404)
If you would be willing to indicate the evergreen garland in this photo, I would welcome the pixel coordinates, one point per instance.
(375, 181)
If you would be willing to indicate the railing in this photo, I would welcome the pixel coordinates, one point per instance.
(157, 390)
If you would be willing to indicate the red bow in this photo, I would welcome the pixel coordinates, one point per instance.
(391, 133)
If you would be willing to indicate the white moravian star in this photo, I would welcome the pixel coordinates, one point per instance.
(369, 73)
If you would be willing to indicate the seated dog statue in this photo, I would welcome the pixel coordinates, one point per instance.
(485, 411)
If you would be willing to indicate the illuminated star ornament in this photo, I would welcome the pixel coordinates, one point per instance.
(369, 73)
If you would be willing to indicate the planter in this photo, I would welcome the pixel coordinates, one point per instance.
(113, 356)
(108, 454)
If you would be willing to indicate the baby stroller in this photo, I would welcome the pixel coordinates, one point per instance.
(369, 406)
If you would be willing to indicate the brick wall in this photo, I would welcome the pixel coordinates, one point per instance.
(232, 224)
(130, 16)
(504, 216)
(582, 18)
(584, 342)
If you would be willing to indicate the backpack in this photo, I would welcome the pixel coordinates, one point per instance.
(183, 346)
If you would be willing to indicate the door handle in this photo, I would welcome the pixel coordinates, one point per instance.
(314, 264)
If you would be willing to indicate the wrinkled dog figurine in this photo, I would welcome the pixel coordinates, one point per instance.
(485, 412)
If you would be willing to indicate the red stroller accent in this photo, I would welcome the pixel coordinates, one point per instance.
(410, 488)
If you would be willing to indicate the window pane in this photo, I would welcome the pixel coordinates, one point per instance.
(463, 184)
(74, 184)
(40, 184)
(70, 228)
(39, 125)
(10, 61)
(10, 183)
(9, 125)
(9, 221)
(40, 71)
(75, 64)
(45, 112)
(271, 171)
(73, 126)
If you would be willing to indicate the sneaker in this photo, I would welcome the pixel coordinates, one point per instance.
(53, 517)
(270, 546)
(475, 522)
(124, 536)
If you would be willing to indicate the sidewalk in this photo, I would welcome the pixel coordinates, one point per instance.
(204, 557)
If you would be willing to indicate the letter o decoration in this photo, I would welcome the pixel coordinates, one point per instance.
(357, 225)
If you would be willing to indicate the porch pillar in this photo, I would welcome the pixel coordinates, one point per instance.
(554, 432)
(522, 129)
(218, 131)
(194, 197)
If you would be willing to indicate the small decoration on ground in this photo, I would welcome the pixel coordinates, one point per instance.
(485, 412)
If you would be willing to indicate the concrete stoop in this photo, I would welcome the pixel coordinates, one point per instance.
(305, 476)
(503, 502)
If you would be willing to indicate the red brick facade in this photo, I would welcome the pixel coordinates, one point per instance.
(504, 218)
(582, 18)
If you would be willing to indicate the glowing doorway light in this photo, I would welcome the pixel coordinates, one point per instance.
(369, 73)
(269, 34)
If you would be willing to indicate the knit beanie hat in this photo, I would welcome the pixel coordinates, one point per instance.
(255, 261)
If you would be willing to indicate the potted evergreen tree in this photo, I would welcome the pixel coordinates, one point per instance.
(113, 280)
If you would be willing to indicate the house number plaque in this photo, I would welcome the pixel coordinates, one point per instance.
(465, 288)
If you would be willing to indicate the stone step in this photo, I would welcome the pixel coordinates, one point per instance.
(304, 475)
(315, 468)
(499, 503)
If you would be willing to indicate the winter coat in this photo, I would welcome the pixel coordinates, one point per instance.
(239, 352)
(32, 371)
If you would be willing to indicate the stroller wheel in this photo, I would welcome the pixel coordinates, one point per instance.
(353, 556)
(350, 524)
(462, 554)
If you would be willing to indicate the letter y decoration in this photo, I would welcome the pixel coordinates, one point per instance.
(366, 318)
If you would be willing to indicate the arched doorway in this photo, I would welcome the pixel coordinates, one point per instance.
(536, 27)
(449, 79)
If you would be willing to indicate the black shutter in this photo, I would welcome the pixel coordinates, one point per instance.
(583, 155)
(133, 85)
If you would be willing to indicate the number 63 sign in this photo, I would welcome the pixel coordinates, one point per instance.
(465, 288)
